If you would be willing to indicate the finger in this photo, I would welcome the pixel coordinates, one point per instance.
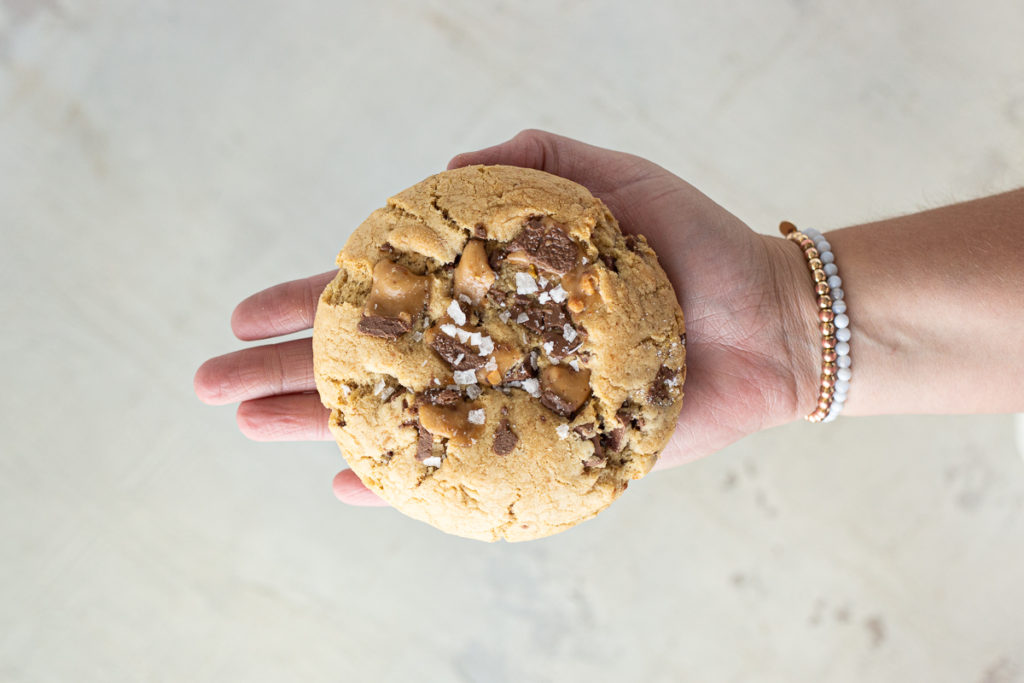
(281, 309)
(291, 417)
(284, 368)
(349, 489)
(600, 170)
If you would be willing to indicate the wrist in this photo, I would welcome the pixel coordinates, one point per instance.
(797, 320)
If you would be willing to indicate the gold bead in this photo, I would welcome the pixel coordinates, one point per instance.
(826, 315)
(824, 302)
(828, 381)
(828, 369)
(828, 342)
(824, 405)
(819, 275)
(827, 329)
(815, 263)
(806, 243)
(811, 253)
(829, 356)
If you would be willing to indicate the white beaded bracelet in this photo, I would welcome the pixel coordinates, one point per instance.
(834, 323)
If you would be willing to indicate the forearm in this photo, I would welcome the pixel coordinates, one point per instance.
(936, 304)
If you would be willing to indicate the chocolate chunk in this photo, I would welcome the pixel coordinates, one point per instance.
(459, 356)
(439, 397)
(386, 457)
(556, 403)
(560, 348)
(609, 261)
(497, 297)
(586, 430)
(385, 328)
(682, 339)
(659, 393)
(598, 459)
(615, 439)
(519, 372)
(547, 245)
(628, 416)
(495, 258)
(631, 243)
(539, 317)
(386, 248)
(409, 423)
(505, 439)
(479, 230)
(424, 444)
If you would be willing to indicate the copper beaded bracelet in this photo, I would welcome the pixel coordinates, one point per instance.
(834, 324)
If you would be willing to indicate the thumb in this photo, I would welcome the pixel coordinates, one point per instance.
(600, 170)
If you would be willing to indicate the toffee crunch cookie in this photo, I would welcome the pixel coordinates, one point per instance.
(499, 360)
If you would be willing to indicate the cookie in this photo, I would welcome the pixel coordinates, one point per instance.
(499, 360)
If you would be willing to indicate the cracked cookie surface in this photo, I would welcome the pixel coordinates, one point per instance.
(499, 360)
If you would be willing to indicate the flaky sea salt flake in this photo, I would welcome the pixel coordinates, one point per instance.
(525, 284)
(477, 417)
(558, 294)
(486, 346)
(456, 314)
(465, 376)
(562, 431)
(568, 332)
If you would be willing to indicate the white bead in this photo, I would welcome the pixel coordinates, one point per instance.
(830, 269)
(834, 281)
(842, 320)
(812, 233)
(843, 334)
(837, 294)
(838, 307)
(827, 257)
(843, 348)
(843, 361)
(823, 246)
(842, 386)
(844, 374)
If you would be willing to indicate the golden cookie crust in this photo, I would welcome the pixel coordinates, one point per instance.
(568, 462)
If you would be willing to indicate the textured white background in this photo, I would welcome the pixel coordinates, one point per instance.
(161, 160)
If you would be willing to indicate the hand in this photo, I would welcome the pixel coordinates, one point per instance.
(751, 332)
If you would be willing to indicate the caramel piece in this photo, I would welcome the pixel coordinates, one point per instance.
(396, 298)
(473, 276)
(451, 422)
(509, 361)
(583, 289)
(563, 389)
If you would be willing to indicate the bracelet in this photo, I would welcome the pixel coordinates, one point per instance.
(834, 324)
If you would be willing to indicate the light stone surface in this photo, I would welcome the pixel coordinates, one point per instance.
(159, 161)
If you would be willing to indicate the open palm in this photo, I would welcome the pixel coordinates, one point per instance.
(750, 351)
